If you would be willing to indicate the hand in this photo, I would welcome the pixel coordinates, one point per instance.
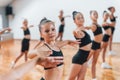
(74, 42)
(50, 61)
(31, 26)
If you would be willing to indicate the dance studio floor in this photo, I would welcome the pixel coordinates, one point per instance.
(11, 49)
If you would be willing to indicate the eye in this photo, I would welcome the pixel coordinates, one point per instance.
(53, 29)
(47, 31)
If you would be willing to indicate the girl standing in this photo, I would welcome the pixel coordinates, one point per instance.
(79, 61)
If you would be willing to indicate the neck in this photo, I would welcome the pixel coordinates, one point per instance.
(50, 42)
(112, 13)
(80, 25)
(95, 21)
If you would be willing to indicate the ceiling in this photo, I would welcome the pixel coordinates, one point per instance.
(4, 3)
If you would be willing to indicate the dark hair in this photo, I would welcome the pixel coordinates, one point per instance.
(92, 11)
(104, 12)
(74, 14)
(42, 22)
(110, 8)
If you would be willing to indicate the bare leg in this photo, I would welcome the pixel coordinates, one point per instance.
(19, 57)
(82, 73)
(110, 43)
(75, 69)
(61, 36)
(104, 50)
(95, 58)
(26, 52)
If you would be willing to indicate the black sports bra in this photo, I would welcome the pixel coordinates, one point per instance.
(113, 19)
(85, 40)
(55, 53)
(62, 19)
(98, 30)
(26, 32)
(106, 27)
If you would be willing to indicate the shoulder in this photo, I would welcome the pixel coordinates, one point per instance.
(42, 47)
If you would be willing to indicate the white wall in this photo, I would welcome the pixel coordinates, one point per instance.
(35, 10)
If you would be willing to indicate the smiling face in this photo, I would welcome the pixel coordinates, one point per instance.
(79, 19)
(94, 15)
(48, 31)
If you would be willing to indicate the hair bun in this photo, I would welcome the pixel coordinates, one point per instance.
(42, 20)
(74, 12)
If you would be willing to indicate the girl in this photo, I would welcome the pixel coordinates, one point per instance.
(48, 33)
(61, 27)
(79, 60)
(25, 41)
(113, 23)
(106, 37)
(96, 44)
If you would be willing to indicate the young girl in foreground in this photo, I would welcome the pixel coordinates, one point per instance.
(48, 33)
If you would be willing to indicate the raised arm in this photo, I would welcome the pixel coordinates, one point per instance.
(67, 42)
(19, 71)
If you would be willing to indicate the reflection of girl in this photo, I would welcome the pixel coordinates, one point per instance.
(25, 42)
(106, 37)
(62, 25)
(113, 23)
(2, 31)
(79, 60)
(48, 33)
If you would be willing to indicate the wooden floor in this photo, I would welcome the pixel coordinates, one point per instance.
(11, 49)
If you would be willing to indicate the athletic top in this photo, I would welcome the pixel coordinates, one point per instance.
(106, 27)
(85, 40)
(113, 19)
(98, 30)
(55, 53)
(62, 19)
(26, 32)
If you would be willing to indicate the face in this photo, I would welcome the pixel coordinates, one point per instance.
(25, 22)
(94, 15)
(48, 31)
(112, 10)
(79, 19)
(105, 16)
(61, 12)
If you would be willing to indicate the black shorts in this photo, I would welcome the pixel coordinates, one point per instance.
(80, 57)
(25, 45)
(106, 38)
(61, 28)
(113, 30)
(95, 45)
